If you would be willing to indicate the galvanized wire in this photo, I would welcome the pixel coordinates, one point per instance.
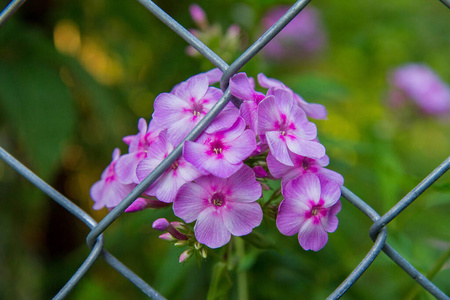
(9, 10)
(94, 239)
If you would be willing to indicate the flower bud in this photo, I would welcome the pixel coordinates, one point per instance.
(160, 224)
(259, 172)
(185, 255)
(198, 15)
(168, 237)
(181, 243)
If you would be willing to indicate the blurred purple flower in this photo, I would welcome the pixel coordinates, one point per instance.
(198, 15)
(309, 208)
(302, 37)
(420, 84)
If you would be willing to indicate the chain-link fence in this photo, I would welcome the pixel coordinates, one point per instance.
(95, 240)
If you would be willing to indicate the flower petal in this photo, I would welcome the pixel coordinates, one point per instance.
(312, 149)
(276, 168)
(278, 147)
(241, 218)
(210, 228)
(224, 120)
(312, 237)
(194, 88)
(269, 82)
(303, 189)
(190, 201)
(330, 191)
(267, 115)
(169, 109)
(240, 148)
(242, 186)
(290, 216)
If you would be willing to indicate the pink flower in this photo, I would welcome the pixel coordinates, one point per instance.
(109, 192)
(188, 102)
(286, 127)
(420, 84)
(312, 110)
(221, 206)
(166, 186)
(302, 37)
(137, 151)
(309, 208)
(302, 165)
(221, 153)
(243, 88)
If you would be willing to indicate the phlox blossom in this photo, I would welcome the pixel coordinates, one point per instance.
(286, 127)
(312, 110)
(309, 208)
(221, 206)
(221, 153)
(243, 88)
(302, 165)
(188, 102)
(137, 150)
(166, 186)
(108, 191)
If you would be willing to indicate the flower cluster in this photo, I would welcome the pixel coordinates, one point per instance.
(419, 83)
(218, 180)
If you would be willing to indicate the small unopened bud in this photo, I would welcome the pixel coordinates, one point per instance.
(259, 172)
(160, 224)
(265, 186)
(233, 31)
(198, 15)
(181, 243)
(168, 237)
(185, 255)
(197, 245)
(203, 253)
(177, 234)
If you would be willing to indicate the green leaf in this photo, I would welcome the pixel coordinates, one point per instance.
(39, 107)
(220, 282)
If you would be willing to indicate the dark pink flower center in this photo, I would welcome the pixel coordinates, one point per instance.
(315, 210)
(285, 125)
(306, 163)
(218, 199)
(111, 175)
(217, 146)
(197, 109)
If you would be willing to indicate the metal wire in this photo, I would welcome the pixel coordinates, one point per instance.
(95, 240)
(9, 10)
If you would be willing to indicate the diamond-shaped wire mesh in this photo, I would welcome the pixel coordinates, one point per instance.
(378, 231)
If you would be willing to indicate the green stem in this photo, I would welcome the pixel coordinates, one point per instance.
(430, 275)
(242, 283)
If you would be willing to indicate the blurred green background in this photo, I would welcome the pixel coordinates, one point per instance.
(75, 77)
